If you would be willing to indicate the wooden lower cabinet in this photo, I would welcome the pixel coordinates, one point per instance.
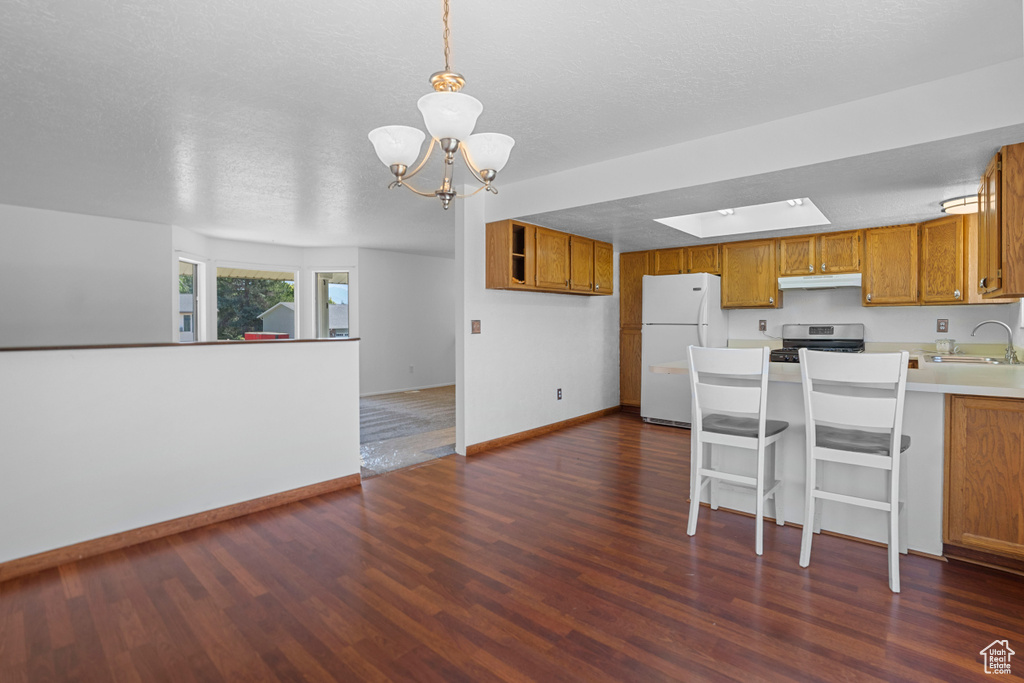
(984, 508)
(630, 367)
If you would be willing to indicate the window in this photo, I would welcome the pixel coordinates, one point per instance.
(332, 305)
(255, 304)
(188, 300)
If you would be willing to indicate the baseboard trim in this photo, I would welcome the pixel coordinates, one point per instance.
(630, 410)
(402, 391)
(53, 558)
(984, 559)
(826, 532)
(478, 448)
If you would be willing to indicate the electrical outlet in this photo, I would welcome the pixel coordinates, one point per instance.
(474, 326)
(942, 325)
(559, 394)
(762, 325)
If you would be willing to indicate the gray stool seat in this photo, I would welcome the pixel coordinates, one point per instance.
(856, 440)
(741, 426)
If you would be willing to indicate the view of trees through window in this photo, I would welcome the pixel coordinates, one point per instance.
(255, 304)
(187, 303)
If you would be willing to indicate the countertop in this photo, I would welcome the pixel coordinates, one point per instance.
(976, 380)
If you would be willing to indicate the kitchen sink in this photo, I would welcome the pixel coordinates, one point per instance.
(966, 360)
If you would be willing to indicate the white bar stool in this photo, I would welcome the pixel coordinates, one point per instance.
(854, 409)
(730, 392)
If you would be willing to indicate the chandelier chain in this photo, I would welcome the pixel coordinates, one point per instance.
(447, 32)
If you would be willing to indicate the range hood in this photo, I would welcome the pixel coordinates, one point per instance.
(820, 281)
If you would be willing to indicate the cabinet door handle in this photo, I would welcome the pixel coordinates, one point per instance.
(981, 285)
(810, 268)
(823, 268)
(597, 287)
(566, 283)
(771, 299)
(869, 298)
(956, 293)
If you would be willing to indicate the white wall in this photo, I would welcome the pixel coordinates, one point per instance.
(913, 324)
(100, 441)
(70, 279)
(530, 345)
(407, 321)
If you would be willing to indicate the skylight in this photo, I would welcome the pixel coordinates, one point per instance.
(740, 220)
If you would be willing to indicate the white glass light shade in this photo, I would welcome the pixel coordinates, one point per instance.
(450, 114)
(961, 205)
(397, 144)
(489, 151)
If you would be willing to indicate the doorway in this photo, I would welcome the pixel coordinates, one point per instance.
(405, 428)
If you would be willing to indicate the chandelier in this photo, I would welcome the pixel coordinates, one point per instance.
(449, 116)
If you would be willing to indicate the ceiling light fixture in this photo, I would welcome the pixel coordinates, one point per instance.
(795, 202)
(968, 204)
(449, 117)
(726, 212)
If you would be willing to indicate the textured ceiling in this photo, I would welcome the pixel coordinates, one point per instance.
(247, 119)
(887, 188)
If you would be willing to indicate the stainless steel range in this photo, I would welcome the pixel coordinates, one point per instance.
(843, 338)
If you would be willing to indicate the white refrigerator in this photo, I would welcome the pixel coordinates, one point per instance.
(678, 310)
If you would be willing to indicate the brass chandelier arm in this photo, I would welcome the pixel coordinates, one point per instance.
(473, 169)
(410, 188)
(416, 170)
(477, 190)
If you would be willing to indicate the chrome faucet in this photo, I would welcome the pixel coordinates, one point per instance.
(1011, 355)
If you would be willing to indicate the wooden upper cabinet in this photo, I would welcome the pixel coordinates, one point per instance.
(839, 252)
(510, 255)
(942, 261)
(632, 268)
(984, 498)
(581, 264)
(890, 266)
(822, 254)
(989, 230)
(670, 261)
(750, 275)
(552, 258)
(1001, 225)
(705, 258)
(797, 255)
(532, 258)
(604, 268)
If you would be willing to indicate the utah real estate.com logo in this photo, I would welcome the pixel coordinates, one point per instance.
(997, 657)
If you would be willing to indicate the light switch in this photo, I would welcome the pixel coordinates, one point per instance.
(475, 325)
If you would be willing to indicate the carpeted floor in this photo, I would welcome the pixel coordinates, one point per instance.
(405, 428)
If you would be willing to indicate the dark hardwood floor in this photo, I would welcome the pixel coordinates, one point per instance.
(564, 557)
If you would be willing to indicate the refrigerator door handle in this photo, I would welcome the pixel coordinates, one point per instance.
(702, 324)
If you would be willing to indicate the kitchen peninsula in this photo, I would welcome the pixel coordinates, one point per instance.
(929, 388)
